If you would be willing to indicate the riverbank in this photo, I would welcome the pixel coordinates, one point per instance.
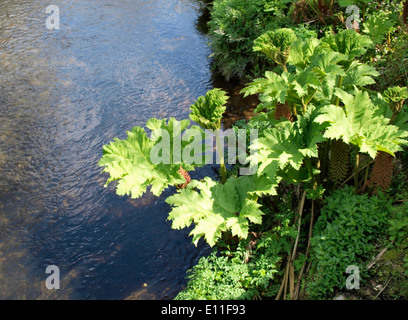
(228, 37)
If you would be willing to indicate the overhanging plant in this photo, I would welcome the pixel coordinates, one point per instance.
(207, 111)
(331, 108)
(214, 207)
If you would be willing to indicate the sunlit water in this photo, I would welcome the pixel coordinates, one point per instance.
(64, 94)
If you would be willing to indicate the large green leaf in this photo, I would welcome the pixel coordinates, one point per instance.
(272, 89)
(301, 51)
(359, 75)
(131, 161)
(216, 208)
(326, 68)
(288, 144)
(359, 123)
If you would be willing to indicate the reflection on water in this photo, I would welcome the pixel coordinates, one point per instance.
(63, 94)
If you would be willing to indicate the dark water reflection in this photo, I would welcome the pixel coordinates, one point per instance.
(63, 94)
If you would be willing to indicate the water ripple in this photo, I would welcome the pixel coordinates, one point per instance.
(65, 93)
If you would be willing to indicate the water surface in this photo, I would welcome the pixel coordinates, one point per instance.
(64, 93)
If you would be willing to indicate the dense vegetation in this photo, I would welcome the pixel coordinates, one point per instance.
(329, 162)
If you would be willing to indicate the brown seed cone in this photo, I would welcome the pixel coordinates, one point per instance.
(339, 161)
(186, 176)
(283, 110)
(381, 174)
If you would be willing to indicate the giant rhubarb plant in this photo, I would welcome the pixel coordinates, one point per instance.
(333, 116)
(328, 102)
(276, 45)
(158, 162)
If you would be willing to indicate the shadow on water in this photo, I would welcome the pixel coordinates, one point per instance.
(65, 93)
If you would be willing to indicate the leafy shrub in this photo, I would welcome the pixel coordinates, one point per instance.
(398, 229)
(345, 234)
(234, 26)
(222, 277)
(393, 66)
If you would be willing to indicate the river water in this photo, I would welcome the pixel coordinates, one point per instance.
(64, 94)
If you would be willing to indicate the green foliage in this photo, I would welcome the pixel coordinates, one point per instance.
(359, 75)
(358, 123)
(330, 114)
(130, 163)
(344, 235)
(228, 277)
(378, 26)
(398, 225)
(276, 45)
(399, 185)
(321, 66)
(288, 144)
(393, 65)
(217, 208)
(234, 26)
(301, 52)
(395, 96)
(207, 110)
(346, 3)
(259, 123)
(348, 42)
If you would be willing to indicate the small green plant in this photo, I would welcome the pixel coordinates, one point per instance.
(345, 234)
(398, 229)
(393, 65)
(229, 276)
